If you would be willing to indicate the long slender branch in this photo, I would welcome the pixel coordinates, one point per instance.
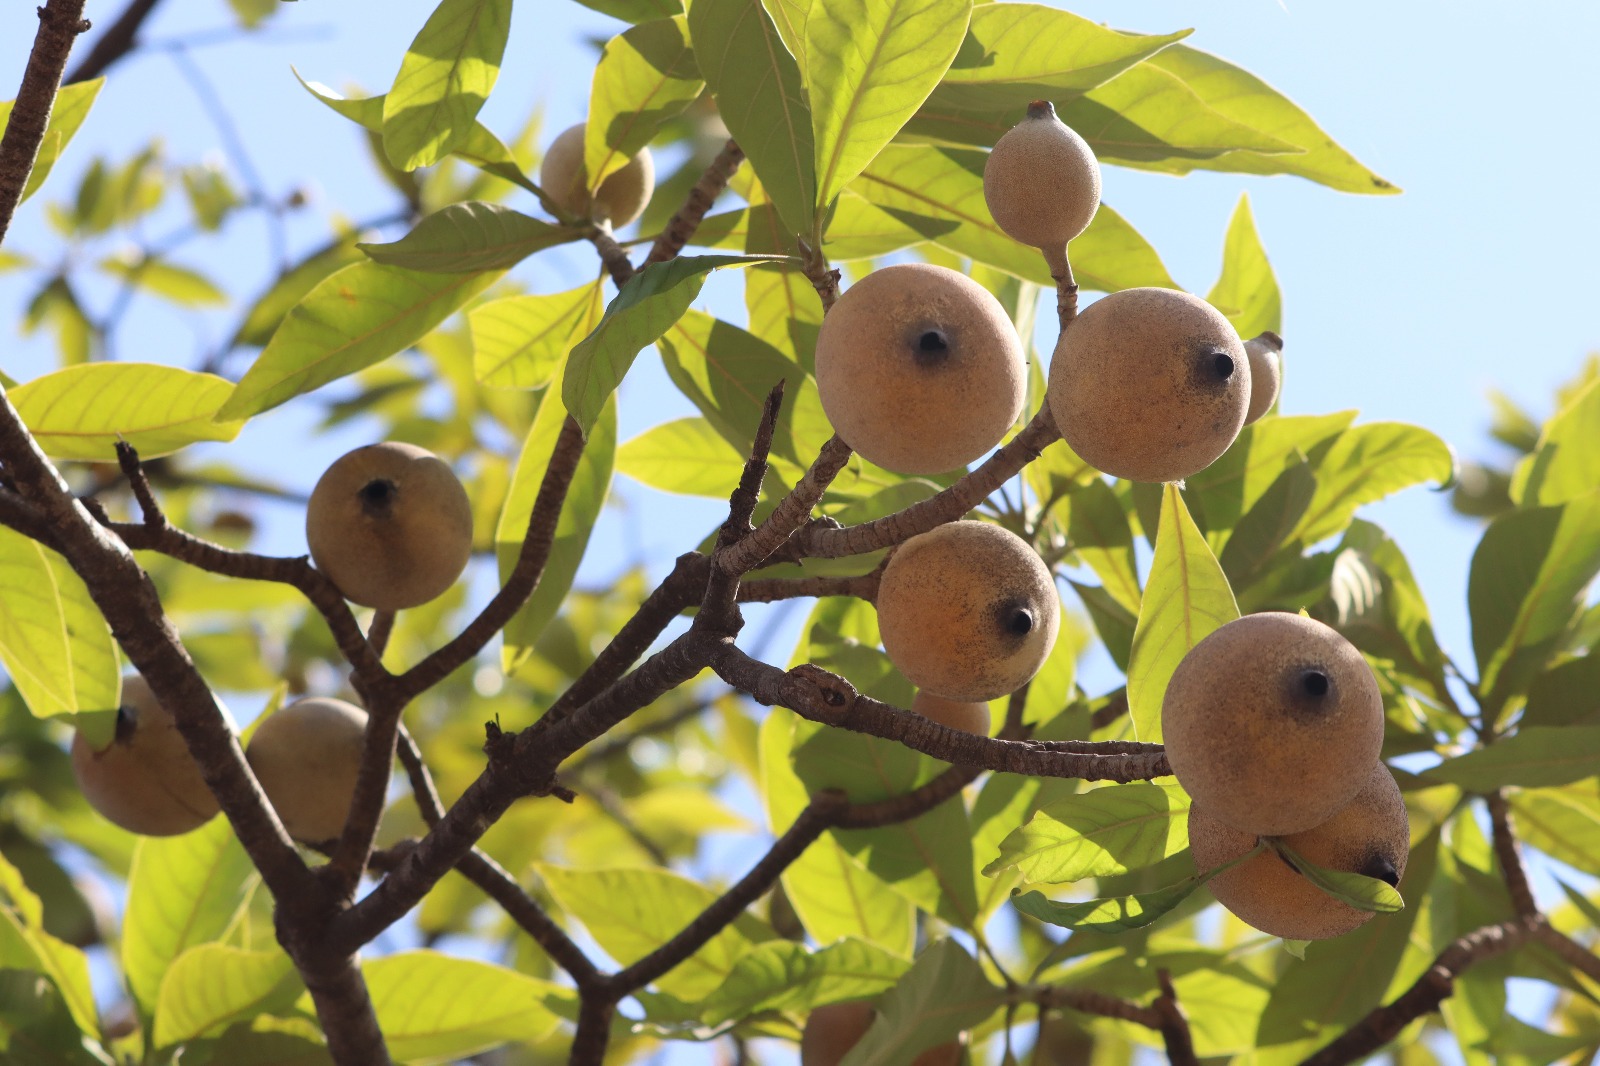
(781, 524)
(1573, 953)
(1174, 1024)
(116, 42)
(681, 229)
(773, 589)
(1505, 849)
(60, 22)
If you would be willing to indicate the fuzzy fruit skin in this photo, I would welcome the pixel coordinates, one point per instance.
(390, 525)
(919, 369)
(968, 717)
(967, 611)
(1149, 384)
(1369, 835)
(620, 199)
(146, 781)
(307, 757)
(1042, 181)
(1266, 373)
(831, 1032)
(1272, 723)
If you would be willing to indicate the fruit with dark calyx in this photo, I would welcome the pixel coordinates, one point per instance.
(832, 1030)
(967, 611)
(919, 369)
(1370, 835)
(307, 757)
(390, 525)
(1042, 183)
(969, 717)
(1149, 384)
(1272, 723)
(145, 781)
(623, 194)
(1265, 353)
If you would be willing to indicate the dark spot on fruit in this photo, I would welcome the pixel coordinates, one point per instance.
(378, 495)
(1222, 365)
(127, 722)
(1315, 683)
(1016, 619)
(1381, 868)
(931, 347)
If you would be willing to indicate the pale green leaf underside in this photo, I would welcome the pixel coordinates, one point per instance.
(54, 643)
(444, 79)
(82, 411)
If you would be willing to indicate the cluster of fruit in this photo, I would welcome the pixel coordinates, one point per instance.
(391, 526)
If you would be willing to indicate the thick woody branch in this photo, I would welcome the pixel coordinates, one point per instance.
(525, 575)
(1088, 1001)
(16, 513)
(821, 541)
(1573, 953)
(1435, 986)
(594, 1030)
(681, 229)
(773, 589)
(612, 255)
(1174, 1024)
(60, 22)
(815, 694)
(116, 42)
(790, 513)
(1506, 850)
(344, 1007)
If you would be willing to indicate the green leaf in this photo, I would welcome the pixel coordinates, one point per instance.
(585, 497)
(635, 10)
(243, 1045)
(1185, 599)
(182, 891)
(1229, 487)
(1245, 98)
(685, 455)
(1527, 579)
(1251, 546)
(82, 411)
(58, 306)
(352, 319)
(1247, 292)
(435, 1008)
(1117, 914)
(519, 342)
(1564, 695)
(648, 305)
(1354, 890)
(1368, 463)
(290, 288)
(869, 65)
(185, 287)
(1564, 823)
(1014, 54)
(470, 237)
(54, 643)
(25, 945)
(646, 76)
(71, 107)
(210, 986)
(784, 976)
(944, 993)
(757, 85)
(939, 193)
(1099, 531)
(631, 913)
(444, 79)
(1566, 463)
(37, 1029)
(1532, 757)
(1104, 831)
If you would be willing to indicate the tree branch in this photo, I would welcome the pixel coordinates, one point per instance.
(789, 514)
(683, 225)
(60, 22)
(1174, 1025)
(773, 589)
(1505, 849)
(115, 43)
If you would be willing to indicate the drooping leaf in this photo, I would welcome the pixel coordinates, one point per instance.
(1221, 493)
(1532, 757)
(182, 891)
(648, 305)
(757, 84)
(943, 993)
(1247, 291)
(519, 342)
(81, 412)
(436, 1009)
(444, 79)
(782, 975)
(71, 107)
(352, 319)
(1104, 831)
(1185, 598)
(1354, 890)
(869, 65)
(1114, 914)
(646, 75)
(685, 455)
(1367, 463)
(468, 238)
(25, 945)
(210, 986)
(1566, 464)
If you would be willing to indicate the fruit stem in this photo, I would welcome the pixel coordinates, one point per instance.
(1041, 109)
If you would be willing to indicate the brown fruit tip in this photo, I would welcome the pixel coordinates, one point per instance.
(1041, 109)
(1271, 338)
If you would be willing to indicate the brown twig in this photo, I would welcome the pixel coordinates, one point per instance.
(773, 589)
(115, 43)
(613, 746)
(1573, 953)
(612, 255)
(60, 22)
(1174, 1024)
(1506, 850)
(1066, 290)
(681, 229)
(787, 517)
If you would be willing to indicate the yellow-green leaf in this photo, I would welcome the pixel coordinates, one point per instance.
(82, 411)
(519, 342)
(71, 107)
(685, 455)
(211, 985)
(470, 237)
(444, 80)
(646, 75)
(54, 643)
(1247, 292)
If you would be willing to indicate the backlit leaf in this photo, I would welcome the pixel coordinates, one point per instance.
(943, 993)
(1367, 463)
(1533, 757)
(444, 80)
(685, 455)
(436, 1009)
(82, 411)
(1247, 292)
(1566, 463)
(646, 75)
(1103, 831)
(470, 237)
(71, 107)
(782, 975)
(211, 985)
(519, 342)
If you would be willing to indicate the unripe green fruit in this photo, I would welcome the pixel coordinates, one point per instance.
(967, 611)
(307, 758)
(620, 199)
(146, 781)
(390, 525)
(1272, 723)
(831, 1032)
(919, 369)
(1266, 373)
(1370, 835)
(956, 714)
(1042, 181)
(1149, 384)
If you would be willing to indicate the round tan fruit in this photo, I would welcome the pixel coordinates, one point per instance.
(1272, 723)
(956, 714)
(145, 781)
(1266, 373)
(831, 1032)
(967, 611)
(390, 525)
(919, 369)
(1369, 835)
(1149, 384)
(1042, 181)
(620, 199)
(307, 757)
